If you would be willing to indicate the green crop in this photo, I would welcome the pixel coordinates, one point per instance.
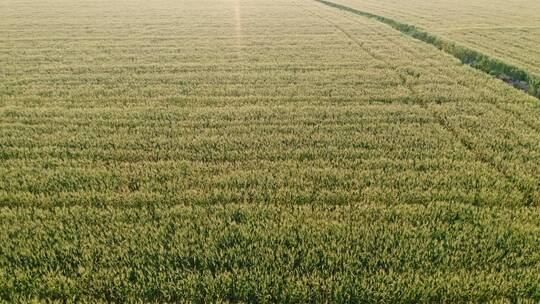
(256, 151)
(270, 253)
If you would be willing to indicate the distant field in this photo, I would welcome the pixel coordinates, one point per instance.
(250, 150)
(508, 30)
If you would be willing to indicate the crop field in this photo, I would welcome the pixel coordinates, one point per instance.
(506, 30)
(256, 151)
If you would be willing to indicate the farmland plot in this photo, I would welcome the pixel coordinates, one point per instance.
(509, 31)
(247, 150)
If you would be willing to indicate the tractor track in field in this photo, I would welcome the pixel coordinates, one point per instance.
(511, 75)
(359, 44)
(527, 199)
(441, 120)
(519, 84)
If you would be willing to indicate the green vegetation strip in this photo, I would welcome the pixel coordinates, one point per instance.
(511, 74)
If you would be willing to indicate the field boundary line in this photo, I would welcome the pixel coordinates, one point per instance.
(512, 75)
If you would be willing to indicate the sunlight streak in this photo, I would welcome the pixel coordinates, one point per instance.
(238, 23)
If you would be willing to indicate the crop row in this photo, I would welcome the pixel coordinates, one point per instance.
(381, 152)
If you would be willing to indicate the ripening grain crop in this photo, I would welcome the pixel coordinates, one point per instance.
(255, 151)
(509, 31)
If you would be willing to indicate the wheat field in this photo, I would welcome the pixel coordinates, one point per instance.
(256, 151)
